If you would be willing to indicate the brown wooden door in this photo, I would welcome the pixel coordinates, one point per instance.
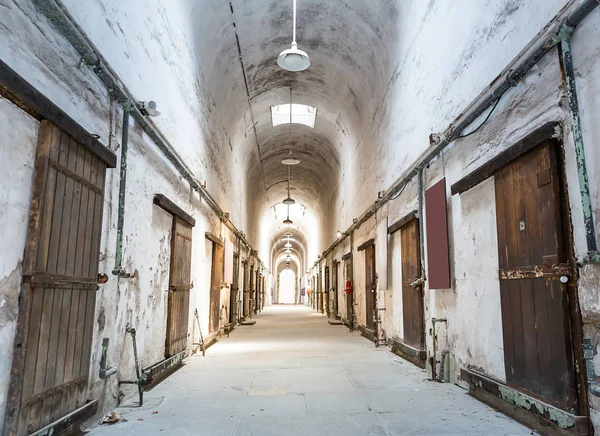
(235, 287)
(246, 292)
(412, 295)
(335, 289)
(370, 285)
(350, 296)
(178, 306)
(326, 293)
(216, 281)
(52, 352)
(534, 303)
(319, 293)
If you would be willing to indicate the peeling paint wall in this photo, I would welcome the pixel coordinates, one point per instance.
(18, 143)
(159, 65)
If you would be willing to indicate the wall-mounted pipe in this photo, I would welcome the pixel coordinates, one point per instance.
(59, 15)
(544, 41)
(141, 379)
(118, 269)
(570, 85)
(421, 232)
(440, 376)
(104, 371)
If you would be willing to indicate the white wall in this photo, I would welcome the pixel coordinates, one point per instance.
(18, 143)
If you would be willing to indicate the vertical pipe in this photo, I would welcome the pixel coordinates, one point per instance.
(568, 70)
(421, 232)
(118, 269)
(294, 24)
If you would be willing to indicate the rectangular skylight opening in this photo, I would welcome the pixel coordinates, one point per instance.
(301, 114)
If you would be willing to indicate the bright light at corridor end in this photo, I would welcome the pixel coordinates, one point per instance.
(293, 59)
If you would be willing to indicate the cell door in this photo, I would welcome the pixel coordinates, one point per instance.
(327, 293)
(235, 287)
(216, 281)
(412, 293)
(535, 309)
(319, 294)
(370, 292)
(335, 289)
(51, 362)
(178, 305)
(245, 303)
(349, 297)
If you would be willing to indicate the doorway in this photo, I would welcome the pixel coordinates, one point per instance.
(350, 292)
(53, 342)
(178, 305)
(234, 292)
(370, 284)
(335, 304)
(532, 258)
(327, 292)
(413, 318)
(216, 281)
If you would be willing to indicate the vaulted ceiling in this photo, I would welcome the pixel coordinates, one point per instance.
(350, 44)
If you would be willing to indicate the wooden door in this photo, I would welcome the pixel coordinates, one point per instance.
(216, 280)
(178, 306)
(319, 294)
(251, 292)
(256, 290)
(412, 294)
(531, 253)
(326, 294)
(370, 293)
(350, 296)
(246, 292)
(235, 287)
(335, 289)
(51, 362)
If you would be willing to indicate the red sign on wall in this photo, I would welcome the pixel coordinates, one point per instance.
(436, 219)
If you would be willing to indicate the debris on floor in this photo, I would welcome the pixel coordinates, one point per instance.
(110, 418)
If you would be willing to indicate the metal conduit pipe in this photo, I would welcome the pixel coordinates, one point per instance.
(571, 15)
(421, 232)
(118, 269)
(568, 73)
(59, 15)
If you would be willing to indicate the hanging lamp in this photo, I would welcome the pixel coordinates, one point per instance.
(290, 159)
(288, 221)
(293, 59)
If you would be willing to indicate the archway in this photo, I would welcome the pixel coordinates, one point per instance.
(287, 286)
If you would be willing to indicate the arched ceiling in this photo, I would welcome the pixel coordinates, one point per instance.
(351, 44)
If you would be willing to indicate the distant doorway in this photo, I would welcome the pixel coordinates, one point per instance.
(287, 287)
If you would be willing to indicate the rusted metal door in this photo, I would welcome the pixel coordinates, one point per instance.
(216, 281)
(235, 287)
(412, 291)
(52, 352)
(178, 305)
(531, 252)
(370, 293)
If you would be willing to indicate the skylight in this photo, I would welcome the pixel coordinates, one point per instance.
(301, 114)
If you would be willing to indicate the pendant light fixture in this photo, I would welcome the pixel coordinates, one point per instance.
(293, 59)
(290, 159)
(288, 221)
(289, 200)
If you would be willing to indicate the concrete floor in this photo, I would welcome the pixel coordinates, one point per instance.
(294, 374)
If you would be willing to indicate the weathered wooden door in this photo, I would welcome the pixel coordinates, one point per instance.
(319, 293)
(256, 290)
(370, 293)
(216, 281)
(235, 287)
(350, 296)
(412, 294)
(52, 351)
(246, 292)
(335, 289)
(326, 292)
(178, 305)
(251, 292)
(535, 320)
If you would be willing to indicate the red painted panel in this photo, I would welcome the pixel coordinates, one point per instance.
(436, 219)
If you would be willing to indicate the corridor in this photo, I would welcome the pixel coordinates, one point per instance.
(293, 182)
(295, 374)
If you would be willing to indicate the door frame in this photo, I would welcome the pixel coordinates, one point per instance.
(547, 132)
(26, 97)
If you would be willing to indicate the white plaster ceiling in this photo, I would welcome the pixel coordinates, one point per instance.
(349, 43)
